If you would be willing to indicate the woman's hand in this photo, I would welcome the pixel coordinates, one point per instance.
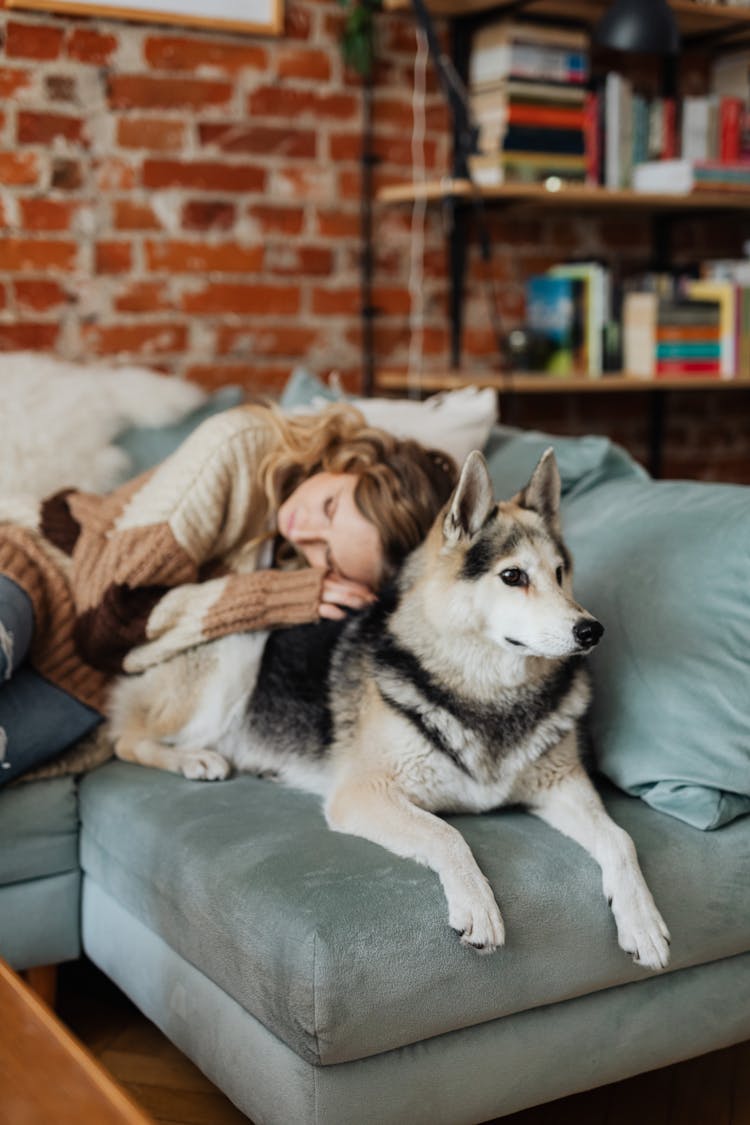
(341, 592)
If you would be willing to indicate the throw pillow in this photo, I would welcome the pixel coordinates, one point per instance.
(663, 565)
(37, 719)
(583, 461)
(59, 419)
(455, 422)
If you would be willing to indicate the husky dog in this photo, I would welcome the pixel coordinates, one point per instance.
(460, 690)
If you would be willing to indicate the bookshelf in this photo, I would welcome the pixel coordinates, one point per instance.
(544, 384)
(702, 26)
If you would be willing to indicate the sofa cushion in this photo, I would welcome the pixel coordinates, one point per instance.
(343, 950)
(584, 462)
(665, 568)
(38, 830)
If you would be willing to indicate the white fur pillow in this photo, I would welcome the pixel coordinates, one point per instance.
(57, 420)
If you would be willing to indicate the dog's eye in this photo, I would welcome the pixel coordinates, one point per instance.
(514, 576)
(559, 575)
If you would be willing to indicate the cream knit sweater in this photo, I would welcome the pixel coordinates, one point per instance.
(124, 581)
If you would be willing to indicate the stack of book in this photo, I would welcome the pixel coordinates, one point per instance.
(681, 176)
(528, 98)
(703, 332)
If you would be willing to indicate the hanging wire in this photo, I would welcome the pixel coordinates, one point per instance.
(418, 218)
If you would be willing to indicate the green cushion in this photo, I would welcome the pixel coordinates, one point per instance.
(343, 950)
(38, 829)
(40, 920)
(584, 462)
(665, 568)
(146, 446)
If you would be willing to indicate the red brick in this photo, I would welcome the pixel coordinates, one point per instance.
(296, 22)
(143, 296)
(281, 101)
(46, 214)
(44, 128)
(28, 336)
(392, 299)
(199, 257)
(90, 46)
(260, 139)
(3, 297)
(208, 214)
(338, 224)
(25, 254)
(12, 80)
(134, 216)
(174, 52)
(350, 184)
(60, 88)
(345, 146)
(255, 379)
(33, 41)
(155, 134)
(114, 174)
(288, 340)
(113, 257)
(277, 220)
(337, 302)
(203, 175)
(303, 62)
(19, 168)
(219, 297)
(128, 91)
(291, 260)
(36, 295)
(135, 339)
(66, 175)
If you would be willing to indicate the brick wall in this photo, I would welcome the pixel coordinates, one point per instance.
(190, 200)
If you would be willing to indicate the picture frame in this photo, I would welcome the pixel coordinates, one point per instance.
(257, 17)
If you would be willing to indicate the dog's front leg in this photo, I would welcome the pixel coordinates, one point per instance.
(571, 805)
(375, 808)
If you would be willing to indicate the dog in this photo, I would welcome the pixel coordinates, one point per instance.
(460, 690)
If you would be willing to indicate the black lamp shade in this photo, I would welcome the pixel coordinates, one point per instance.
(639, 25)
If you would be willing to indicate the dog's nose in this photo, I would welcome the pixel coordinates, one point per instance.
(587, 632)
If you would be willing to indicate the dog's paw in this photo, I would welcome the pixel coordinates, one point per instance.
(641, 930)
(475, 916)
(204, 765)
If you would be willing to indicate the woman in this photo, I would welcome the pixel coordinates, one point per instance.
(258, 520)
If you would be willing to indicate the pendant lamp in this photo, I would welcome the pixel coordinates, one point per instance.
(639, 25)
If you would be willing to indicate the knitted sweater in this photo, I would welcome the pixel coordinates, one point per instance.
(124, 581)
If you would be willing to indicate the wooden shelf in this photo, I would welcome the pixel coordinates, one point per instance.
(693, 18)
(568, 195)
(550, 384)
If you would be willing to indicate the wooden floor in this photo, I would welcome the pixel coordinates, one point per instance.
(711, 1090)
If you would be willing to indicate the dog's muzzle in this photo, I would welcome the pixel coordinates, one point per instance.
(587, 632)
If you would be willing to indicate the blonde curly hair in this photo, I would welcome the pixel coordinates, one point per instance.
(401, 485)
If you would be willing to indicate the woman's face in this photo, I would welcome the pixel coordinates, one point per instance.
(324, 523)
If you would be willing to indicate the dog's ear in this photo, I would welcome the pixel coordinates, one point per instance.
(542, 493)
(471, 502)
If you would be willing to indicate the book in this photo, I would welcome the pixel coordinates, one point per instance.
(491, 169)
(512, 48)
(554, 311)
(596, 297)
(527, 138)
(639, 329)
(721, 292)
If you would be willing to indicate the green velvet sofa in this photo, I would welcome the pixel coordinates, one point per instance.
(313, 977)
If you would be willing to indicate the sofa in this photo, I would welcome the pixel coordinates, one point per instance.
(313, 977)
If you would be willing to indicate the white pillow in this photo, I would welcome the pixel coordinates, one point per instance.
(453, 421)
